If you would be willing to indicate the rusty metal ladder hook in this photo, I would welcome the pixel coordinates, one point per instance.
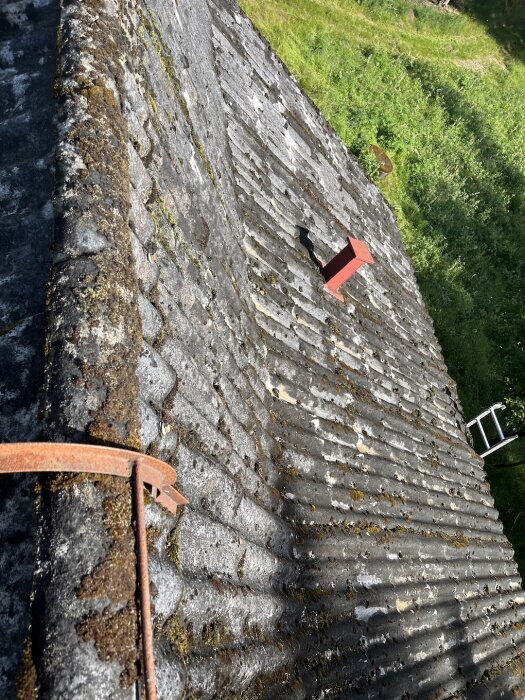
(95, 459)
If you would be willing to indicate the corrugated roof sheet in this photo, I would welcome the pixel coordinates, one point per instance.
(341, 540)
(341, 528)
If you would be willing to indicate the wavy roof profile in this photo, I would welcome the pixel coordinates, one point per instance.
(341, 541)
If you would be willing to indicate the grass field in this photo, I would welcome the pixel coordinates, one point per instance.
(443, 93)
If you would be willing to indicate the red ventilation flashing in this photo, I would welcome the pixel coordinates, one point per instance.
(343, 266)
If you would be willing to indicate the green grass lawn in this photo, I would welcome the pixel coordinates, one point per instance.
(443, 93)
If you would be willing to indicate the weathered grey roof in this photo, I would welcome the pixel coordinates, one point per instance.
(341, 541)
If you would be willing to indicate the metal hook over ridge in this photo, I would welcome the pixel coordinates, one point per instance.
(27, 457)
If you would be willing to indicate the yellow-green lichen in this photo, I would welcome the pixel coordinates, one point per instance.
(216, 634)
(26, 677)
(172, 544)
(206, 162)
(179, 634)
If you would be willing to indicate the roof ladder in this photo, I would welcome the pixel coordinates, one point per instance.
(503, 441)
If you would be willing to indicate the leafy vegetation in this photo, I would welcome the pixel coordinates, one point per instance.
(443, 94)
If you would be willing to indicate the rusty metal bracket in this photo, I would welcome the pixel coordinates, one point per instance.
(344, 264)
(97, 459)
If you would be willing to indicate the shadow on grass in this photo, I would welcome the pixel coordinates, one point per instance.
(481, 343)
(504, 20)
(508, 490)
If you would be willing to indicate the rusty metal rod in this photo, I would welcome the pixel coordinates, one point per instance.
(144, 589)
(98, 459)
